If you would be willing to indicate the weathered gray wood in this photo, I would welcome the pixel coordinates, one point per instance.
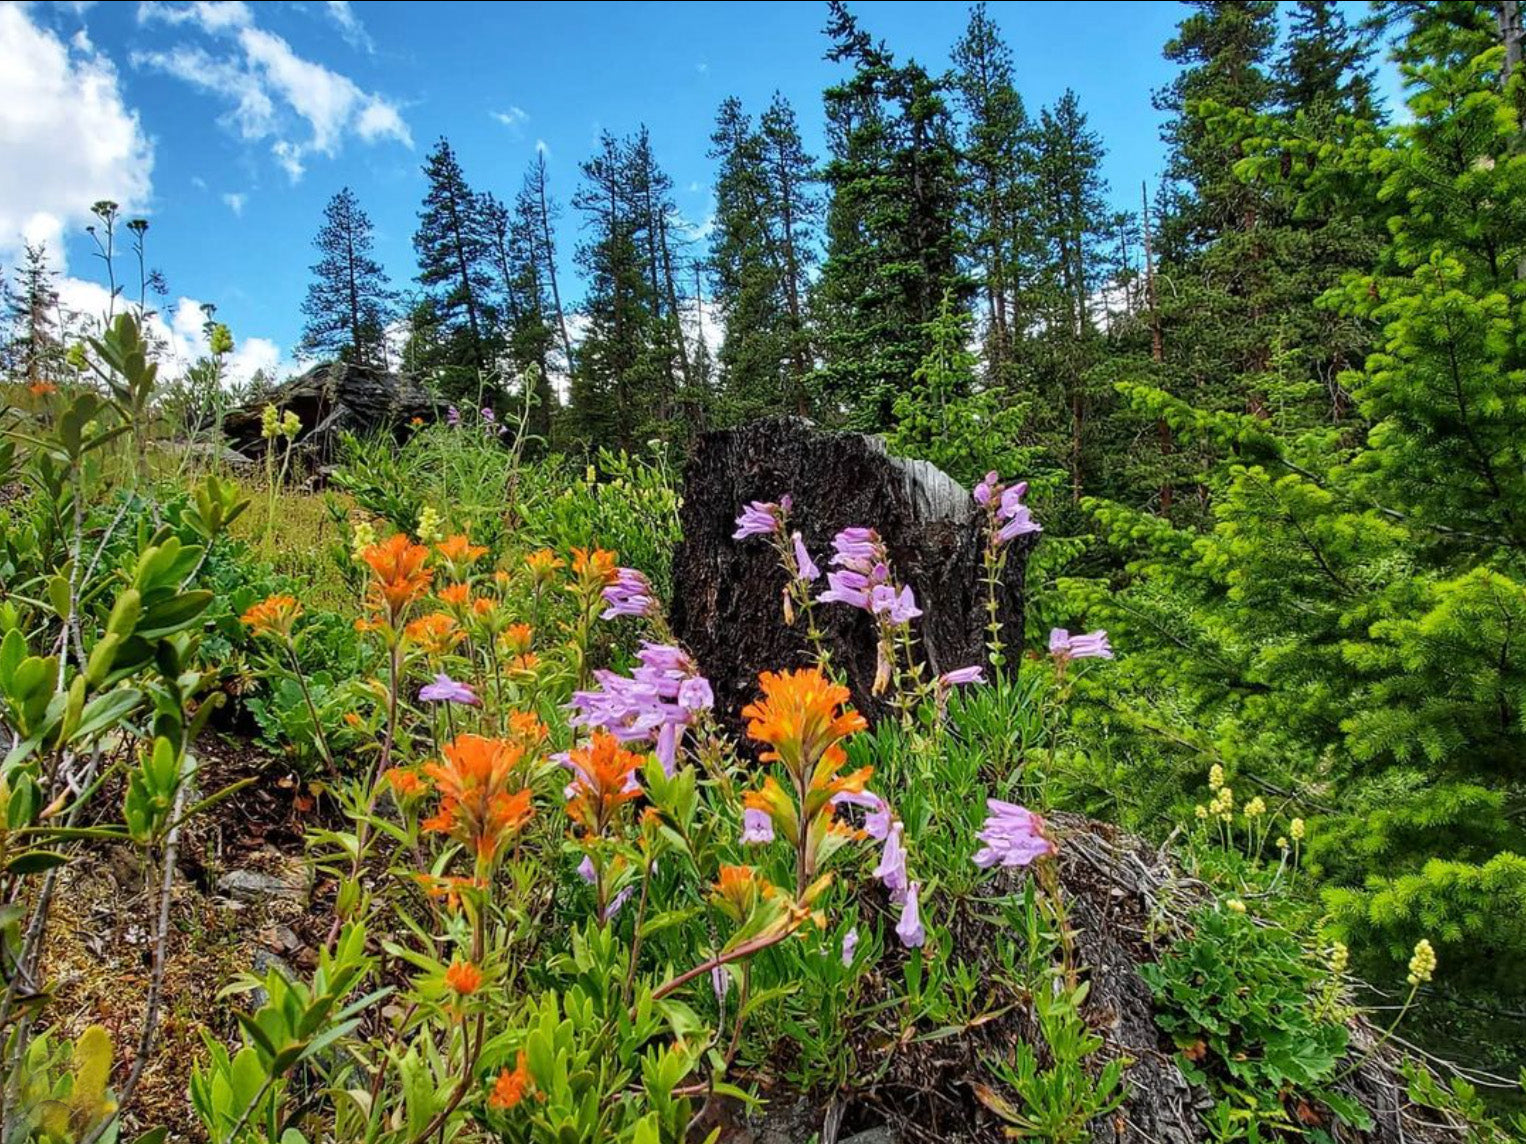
(330, 399)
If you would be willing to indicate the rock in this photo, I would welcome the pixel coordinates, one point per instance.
(330, 399)
(209, 453)
(256, 887)
(281, 939)
(880, 1135)
(726, 596)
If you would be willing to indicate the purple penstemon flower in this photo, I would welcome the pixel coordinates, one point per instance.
(805, 567)
(453, 417)
(849, 945)
(1013, 836)
(892, 868)
(877, 820)
(1093, 645)
(961, 676)
(847, 587)
(761, 518)
(615, 903)
(909, 928)
(1010, 517)
(757, 827)
(586, 870)
(898, 607)
(444, 689)
(720, 981)
(654, 704)
(629, 594)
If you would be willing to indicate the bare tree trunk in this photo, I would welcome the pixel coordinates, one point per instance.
(550, 251)
(1157, 344)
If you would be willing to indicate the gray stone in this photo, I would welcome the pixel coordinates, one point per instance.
(256, 887)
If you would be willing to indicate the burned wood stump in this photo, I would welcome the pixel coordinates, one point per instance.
(727, 593)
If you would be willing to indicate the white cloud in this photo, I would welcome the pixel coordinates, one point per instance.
(66, 134)
(514, 119)
(235, 201)
(180, 338)
(350, 27)
(273, 92)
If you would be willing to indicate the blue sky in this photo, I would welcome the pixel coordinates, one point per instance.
(231, 125)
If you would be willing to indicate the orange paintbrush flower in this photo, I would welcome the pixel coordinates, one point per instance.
(42, 388)
(596, 568)
(273, 616)
(463, 978)
(509, 1088)
(405, 782)
(398, 575)
(516, 639)
(526, 729)
(604, 778)
(456, 595)
(477, 805)
(543, 565)
(435, 634)
(798, 718)
(458, 550)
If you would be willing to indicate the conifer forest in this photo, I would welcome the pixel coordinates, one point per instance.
(949, 650)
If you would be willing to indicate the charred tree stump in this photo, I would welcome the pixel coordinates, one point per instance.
(727, 606)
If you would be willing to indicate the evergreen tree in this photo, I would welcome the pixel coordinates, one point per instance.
(893, 242)
(539, 212)
(759, 256)
(37, 325)
(997, 167)
(454, 266)
(350, 301)
(1325, 64)
(619, 380)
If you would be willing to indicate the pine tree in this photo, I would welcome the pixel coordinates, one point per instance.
(540, 210)
(892, 238)
(1325, 65)
(619, 381)
(453, 265)
(760, 258)
(997, 166)
(37, 326)
(350, 302)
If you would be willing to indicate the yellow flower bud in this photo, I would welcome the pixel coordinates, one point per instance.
(1295, 828)
(1423, 964)
(1201, 811)
(1215, 777)
(270, 422)
(1255, 808)
(1282, 843)
(1236, 905)
(1340, 957)
(429, 525)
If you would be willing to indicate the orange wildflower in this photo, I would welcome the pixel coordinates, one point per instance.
(737, 890)
(435, 634)
(459, 550)
(595, 568)
(604, 777)
(524, 664)
(509, 1088)
(416, 422)
(463, 978)
(352, 719)
(456, 595)
(42, 388)
(273, 616)
(543, 565)
(526, 729)
(798, 718)
(405, 782)
(516, 639)
(501, 578)
(483, 606)
(449, 888)
(398, 575)
(477, 806)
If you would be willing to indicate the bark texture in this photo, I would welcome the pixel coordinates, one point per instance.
(727, 607)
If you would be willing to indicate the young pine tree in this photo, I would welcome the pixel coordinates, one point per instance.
(350, 302)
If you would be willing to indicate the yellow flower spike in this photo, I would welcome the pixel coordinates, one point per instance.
(1340, 957)
(1295, 828)
(1236, 905)
(1215, 777)
(1422, 966)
